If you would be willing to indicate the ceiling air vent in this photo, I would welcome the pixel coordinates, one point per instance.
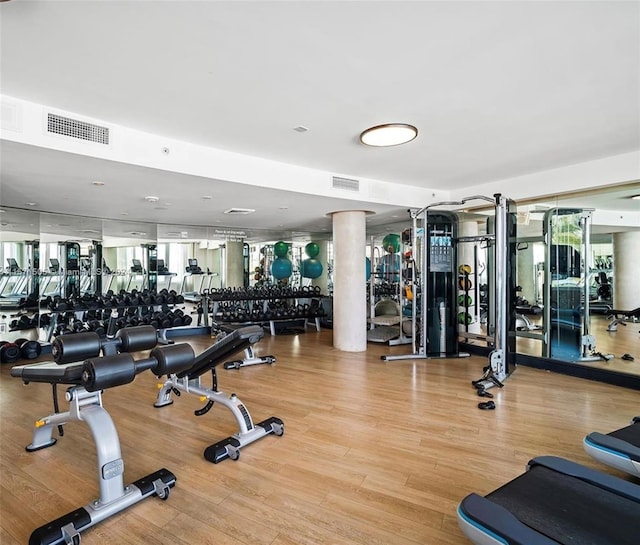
(239, 211)
(345, 183)
(74, 128)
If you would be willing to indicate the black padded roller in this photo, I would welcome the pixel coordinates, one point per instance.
(107, 372)
(136, 338)
(172, 358)
(75, 347)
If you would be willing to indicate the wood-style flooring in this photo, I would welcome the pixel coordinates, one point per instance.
(373, 453)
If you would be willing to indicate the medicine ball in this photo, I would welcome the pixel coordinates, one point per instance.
(20, 341)
(391, 243)
(30, 350)
(9, 353)
(281, 249)
(312, 249)
(311, 268)
(281, 268)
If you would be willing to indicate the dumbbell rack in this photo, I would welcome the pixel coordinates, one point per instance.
(262, 307)
(132, 309)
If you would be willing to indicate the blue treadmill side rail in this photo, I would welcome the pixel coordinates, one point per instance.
(613, 445)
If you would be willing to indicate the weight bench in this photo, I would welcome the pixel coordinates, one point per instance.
(189, 381)
(87, 380)
(619, 449)
(620, 317)
(555, 502)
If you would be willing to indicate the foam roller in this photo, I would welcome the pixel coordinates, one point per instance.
(75, 347)
(136, 338)
(172, 358)
(107, 372)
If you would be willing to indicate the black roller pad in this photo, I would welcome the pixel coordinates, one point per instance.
(217, 452)
(268, 423)
(146, 483)
(51, 533)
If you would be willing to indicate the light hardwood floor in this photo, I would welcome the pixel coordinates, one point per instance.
(373, 453)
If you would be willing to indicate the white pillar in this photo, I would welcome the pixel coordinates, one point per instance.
(349, 286)
(323, 257)
(626, 287)
(234, 268)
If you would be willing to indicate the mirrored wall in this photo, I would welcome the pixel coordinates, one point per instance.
(578, 290)
(572, 284)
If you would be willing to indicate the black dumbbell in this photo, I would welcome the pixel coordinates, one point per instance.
(9, 352)
(30, 350)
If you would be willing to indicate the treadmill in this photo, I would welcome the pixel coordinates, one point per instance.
(555, 502)
(619, 449)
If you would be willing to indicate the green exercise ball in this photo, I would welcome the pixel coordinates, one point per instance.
(311, 268)
(281, 249)
(281, 268)
(312, 249)
(391, 243)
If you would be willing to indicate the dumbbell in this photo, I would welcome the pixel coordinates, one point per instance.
(58, 304)
(79, 327)
(97, 327)
(110, 371)
(148, 297)
(161, 297)
(30, 350)
(9, 352)
(24, 322)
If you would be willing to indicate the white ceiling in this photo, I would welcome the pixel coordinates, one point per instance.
(497, 90)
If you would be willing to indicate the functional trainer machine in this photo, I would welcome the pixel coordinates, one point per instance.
(434, 285)
(619, 448)
(87, 380)
(188, 381)
(556, 502)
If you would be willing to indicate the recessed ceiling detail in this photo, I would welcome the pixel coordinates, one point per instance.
(338, 182)
(239, 211)
(74, 128)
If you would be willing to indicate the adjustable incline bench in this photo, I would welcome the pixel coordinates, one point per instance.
(619, 448)
(189, 381)
(87, 380)
(620, 317)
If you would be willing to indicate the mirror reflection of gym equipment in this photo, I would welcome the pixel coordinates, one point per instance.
(563, 279)
(436, 281)
(389, 301)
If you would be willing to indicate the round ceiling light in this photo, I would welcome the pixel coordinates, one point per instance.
(389, 134)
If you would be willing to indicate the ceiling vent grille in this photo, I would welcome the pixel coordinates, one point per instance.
(239, 211)
(345, 183)
(74, 128)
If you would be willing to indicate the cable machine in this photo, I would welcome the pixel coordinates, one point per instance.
(434, 286)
